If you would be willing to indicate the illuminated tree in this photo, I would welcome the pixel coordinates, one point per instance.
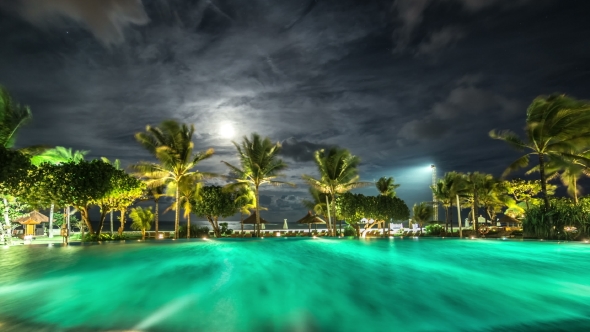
(171, 144)
(259, 166)
(142, 219)
(422, 213)
(555, 126)
(215, 202)
(338, 170)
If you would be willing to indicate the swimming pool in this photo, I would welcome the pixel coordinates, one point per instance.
(297, 285)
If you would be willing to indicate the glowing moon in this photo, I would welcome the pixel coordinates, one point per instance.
(227, 130)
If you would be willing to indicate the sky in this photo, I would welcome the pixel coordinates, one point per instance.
(402, 84)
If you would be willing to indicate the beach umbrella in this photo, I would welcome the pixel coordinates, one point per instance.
(251, 220)
(310, 219)
(285, 226)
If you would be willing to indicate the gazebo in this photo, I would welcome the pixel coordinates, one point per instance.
(310, 219)
(506, 219)
(251, 220)
(30, 221)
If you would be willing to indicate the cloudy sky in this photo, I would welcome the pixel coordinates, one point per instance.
(403, 84)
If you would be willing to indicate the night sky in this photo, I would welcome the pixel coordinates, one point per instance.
(402, 84)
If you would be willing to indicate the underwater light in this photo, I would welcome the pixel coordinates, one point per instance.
(161, 236)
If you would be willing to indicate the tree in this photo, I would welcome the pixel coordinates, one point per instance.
(338, 170)
(171, 144)
(76, 184)
(555, 126)
(494, 197)
(422, 213)
(386, 186)
(155, 193)
(475, 182)
(125, 190)
(12, 117)
(259, 166)
(142, 219)
(56, 156)
(318, 202)
(215, 202)
(245, 202)
(189, 189)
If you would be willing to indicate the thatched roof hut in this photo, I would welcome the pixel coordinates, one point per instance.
(252, 220)
(33, 218)
(310, 219)
(508, 220)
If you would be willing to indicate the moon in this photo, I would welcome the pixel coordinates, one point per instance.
(226, 130)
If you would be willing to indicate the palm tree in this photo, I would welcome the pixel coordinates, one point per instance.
(171, 144)
(142, 219)
(155, 193)
(494, 197)
(475, 183)
(386, 186)
(422, 213)
(338, 170)
(443, 195)
(259, 166)
(12, 117)
(117, 165)
(246, 202)
(189, 188)
(555, 126)
(318, 202)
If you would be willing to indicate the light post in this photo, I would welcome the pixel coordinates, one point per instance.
(434, 201)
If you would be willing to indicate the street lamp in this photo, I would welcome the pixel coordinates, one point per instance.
(434, 201)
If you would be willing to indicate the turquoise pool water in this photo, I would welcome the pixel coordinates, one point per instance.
(298, 285)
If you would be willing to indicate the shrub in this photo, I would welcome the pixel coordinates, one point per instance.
(349, 231)
(91, 237)
(195, 231)
(434, 229)
(225, 230)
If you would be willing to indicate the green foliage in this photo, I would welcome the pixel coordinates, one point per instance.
(171, 144)
(12, 117)
(386, 186)
(92, 237)
(224, 229)
(422, 213)
(434, 229)
(349, 231)
(142, 218)
(59, 219)
(14, 171)
(214, 203)
(563, 220)
(58, 155)
(354, 207)
(195, 231)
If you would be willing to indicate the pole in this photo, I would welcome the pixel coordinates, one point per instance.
(111, 222)
(459, 216)
(329, 218)
(68, 225)
(50, 232)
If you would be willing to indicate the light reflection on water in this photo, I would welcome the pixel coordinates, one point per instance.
(298, 285)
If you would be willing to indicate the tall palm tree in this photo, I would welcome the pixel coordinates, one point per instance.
(259, 166)
(338, 170)
(475, 184)
(142, 219)
(189, 188)
(387, 186)
(246, 202)
(422, 213)
(443, 195)
(155, 193)
(171, 144)
(555, 126)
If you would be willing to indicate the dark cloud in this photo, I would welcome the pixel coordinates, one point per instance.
(106, 19)
(300, 150)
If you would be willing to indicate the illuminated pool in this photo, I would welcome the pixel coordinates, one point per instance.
(298, 285)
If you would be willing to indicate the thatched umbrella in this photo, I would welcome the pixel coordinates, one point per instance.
(252, 220)
(33, 218)
(506, 219)
(310, 219)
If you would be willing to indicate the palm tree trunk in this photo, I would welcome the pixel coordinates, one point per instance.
(257, 210)
(143, 234)
(177, 218)
(543, 181)
(188, 226)
(575, 191)
(8, 231)
(157, 218)
(328, 209)
(50, 232)
(451, 216)
(111, 222)
(334, 210)
(459, 217)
